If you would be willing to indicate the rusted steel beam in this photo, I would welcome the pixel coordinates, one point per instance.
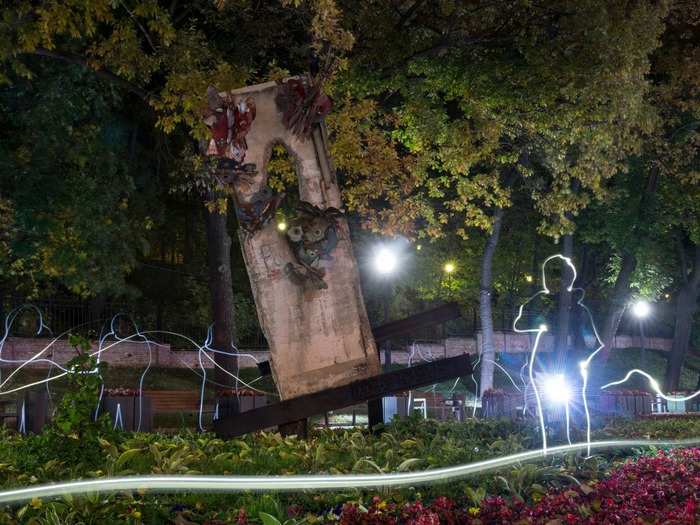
(441, 314)
(305, 406)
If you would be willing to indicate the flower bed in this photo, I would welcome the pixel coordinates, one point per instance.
(240, 392)
(122, 392)
(231, 401)
(542, 491)
(661, 489)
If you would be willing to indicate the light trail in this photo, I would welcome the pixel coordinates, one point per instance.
(230, 484)
(104, 349)
(654, 385)
(505, 372)
(137, 337)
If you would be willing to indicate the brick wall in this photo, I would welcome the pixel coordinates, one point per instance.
(123, 354)
(508, 342)
(134, 354)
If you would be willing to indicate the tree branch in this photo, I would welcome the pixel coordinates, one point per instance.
(408, 14)
(140, 26)
(102, 73)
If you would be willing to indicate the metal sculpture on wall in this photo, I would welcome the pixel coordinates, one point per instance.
(303, 105)
(258, 210)
(229, 120)
(313, 237)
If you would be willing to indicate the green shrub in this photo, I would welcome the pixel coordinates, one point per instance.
(95, 451)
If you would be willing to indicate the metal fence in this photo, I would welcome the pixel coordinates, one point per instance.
(61, 317)
(91, 318)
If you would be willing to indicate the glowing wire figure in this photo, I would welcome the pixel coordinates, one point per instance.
(118, 420)
(505, 372)
(9, 321)
(584, 367)
(539, 331)
(22, 421)
(138, 337)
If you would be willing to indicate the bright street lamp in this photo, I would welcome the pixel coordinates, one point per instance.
(556, 389)
(385, 261)
(385, 264)
(449, 267)
(641, 309)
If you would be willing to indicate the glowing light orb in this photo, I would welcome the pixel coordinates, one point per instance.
(528, 278)
(282, 226)
(641, 309)
(385, 261)
(556, 389)
(449, 267)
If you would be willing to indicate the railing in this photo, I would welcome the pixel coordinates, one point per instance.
(90, 318)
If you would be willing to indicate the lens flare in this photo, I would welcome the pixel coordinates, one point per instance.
(385, 261)
(556, 389)
(641, 309)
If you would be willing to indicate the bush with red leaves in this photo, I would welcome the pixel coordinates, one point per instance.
(661, 489)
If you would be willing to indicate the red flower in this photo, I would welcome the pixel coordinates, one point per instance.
(660, 489)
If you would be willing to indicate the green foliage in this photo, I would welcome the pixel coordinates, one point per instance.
(556, 94)
(75, 412)
(404, 445)
(75, 218)
(656, 428)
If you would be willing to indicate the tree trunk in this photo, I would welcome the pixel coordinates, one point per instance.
(685, 309)
(221, 292)
(189, 240)
(488, 353)
(565, 299)
(621, 291)
(579, 318)
(96, 307)
(686, 306)
(618, 304)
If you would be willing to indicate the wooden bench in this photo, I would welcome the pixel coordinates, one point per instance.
(173, 400)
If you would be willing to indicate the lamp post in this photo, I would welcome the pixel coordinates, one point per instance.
(448, 269)
(641, 310)
(385, 264)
